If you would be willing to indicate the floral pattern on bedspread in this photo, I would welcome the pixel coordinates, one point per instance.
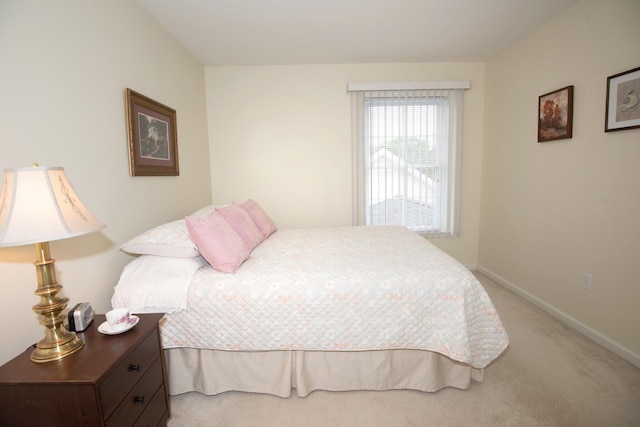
(294, 294)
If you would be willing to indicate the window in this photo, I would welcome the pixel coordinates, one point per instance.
(407, 159)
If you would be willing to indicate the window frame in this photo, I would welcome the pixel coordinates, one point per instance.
(450, 103)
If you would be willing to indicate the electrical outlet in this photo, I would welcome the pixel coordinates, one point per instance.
(586, 281)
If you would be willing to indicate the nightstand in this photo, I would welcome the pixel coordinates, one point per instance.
(113, 380)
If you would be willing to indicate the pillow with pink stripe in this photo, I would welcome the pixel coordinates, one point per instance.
(242, 223)
(217, 242)
(259, 217)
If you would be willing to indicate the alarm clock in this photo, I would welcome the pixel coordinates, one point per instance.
(80, 317)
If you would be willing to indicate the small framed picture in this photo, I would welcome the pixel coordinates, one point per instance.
(623, 108)
(555, 115)
(153, 137)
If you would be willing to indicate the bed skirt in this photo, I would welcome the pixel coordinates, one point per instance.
(279, 372)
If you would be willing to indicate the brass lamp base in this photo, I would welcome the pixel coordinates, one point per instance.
(57, 342)
(48, 352)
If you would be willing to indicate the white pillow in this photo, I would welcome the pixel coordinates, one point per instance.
(207, 210)
(167, 240)
(151, 284)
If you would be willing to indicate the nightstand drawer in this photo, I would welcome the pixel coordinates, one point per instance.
(156, 413)
(120, 381)
(138, 398)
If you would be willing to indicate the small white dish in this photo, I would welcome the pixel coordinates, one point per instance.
(105, 327)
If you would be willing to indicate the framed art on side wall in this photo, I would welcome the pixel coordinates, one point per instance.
(623, 108)
(153, 137)
(555, 115)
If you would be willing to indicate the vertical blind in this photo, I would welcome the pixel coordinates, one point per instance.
(407, 155)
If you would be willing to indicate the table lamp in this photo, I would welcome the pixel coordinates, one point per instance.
(38, 205)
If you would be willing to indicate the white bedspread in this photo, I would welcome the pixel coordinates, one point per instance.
(351, 288)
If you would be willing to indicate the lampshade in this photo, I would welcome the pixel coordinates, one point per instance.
(38, 204)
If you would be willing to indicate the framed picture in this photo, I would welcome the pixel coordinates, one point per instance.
(623, 108)
(555, 115)
(153, 138)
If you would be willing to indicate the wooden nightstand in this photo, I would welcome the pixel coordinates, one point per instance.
(114, 380)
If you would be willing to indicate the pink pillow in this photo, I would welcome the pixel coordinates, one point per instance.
(242, 223)
(217, 242)
(259, 217)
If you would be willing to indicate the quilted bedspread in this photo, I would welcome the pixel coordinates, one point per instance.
(341, 289)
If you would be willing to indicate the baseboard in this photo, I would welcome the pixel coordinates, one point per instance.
(604, 341)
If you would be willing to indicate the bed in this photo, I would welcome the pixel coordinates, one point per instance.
(346, 308)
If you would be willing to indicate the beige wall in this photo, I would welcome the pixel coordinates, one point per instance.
(282, 135)
(64, 68)
(552, 211)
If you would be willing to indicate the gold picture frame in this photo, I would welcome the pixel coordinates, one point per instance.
(555, 115)
(153, 137)
(623, 101)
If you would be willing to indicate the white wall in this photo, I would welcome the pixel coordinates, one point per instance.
(64, 67)
(282, 135)
(554, 210)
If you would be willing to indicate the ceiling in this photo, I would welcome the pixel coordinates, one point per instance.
(284, 32)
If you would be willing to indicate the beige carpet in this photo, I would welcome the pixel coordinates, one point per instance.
(550, 375)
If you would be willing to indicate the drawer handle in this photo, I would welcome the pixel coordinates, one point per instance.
(138, 399)
(134, 367)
